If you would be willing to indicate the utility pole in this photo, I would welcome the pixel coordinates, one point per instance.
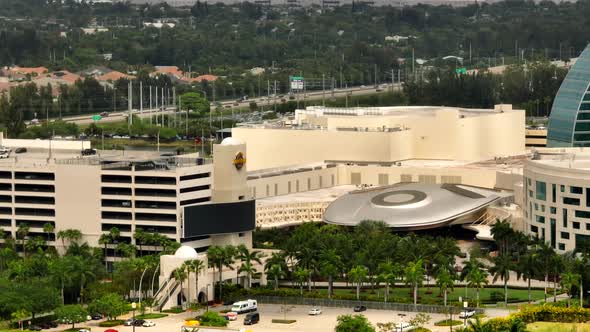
(163, 108)
(375, 76)
(323, 90)
(129, 103)
(140, 97)
(413, 68)
(392, 80)
(275, 99)
(155, 107)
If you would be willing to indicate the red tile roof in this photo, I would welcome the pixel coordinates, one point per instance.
(208, 77)
(29, 70)
(174, 70)
(113, 76)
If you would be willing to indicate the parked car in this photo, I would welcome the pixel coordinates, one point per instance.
(4, 155)
(4, 149)
(111, 330)
(139, 322)
(252, 318)
(129, 322)
(35, 328)
(148, 323)
(360, 308)
(467, 313)
(96, 316)
(231, 316)
(88, 152)
(83, 330)
(20, 150)
(315, 311)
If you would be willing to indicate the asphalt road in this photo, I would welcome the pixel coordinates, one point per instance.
(315, 95)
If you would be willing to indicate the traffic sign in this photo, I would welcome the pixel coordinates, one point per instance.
(297, 82)
(96, 117)
(462, 70)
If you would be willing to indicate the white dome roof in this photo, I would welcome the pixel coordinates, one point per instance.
(186, 252)
(231, 141)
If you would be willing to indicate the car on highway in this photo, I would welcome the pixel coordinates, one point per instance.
(467, 313)
(88, 152)
(359, 308)
(129, 322)
(104, 114)
(315, 312)
(20, 150)
(148, 323)
(4, 155)
(95, 316)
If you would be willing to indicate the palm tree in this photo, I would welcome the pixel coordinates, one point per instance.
(330, 265)
(388, 273)
(180, 275)
(414, 276)
(357, 275)
(477, 278)
(85, 272)
(301, 275)
(528, 268)
(472, 264)
(502, 232)
(503, 264)
(22, 232)
(105, 239)
(570, 280)
(60, 270)
(73, 236)
(248, 258)
(220, 257)
(185, 267)
(196, 266)
(140, 237)
(445, 281)
(275, 272)
(48, 228)
(545, 254)
(477, 325)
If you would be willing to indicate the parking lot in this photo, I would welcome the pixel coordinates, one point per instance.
(324, 322)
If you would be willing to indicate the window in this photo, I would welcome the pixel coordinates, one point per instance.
(565, 235)
(553, 192)
(540, 219)
(571, 201)
(321, 178)
(588, 227)
(534, 229)
(553, 226)
(530, 193)
(541, 188)
(536, 207)
(561, 246)
(587, 197)
(562, 188)
(552, 210)
(297, 186)
(542, 208)
(576, 225)
(289, 187)
(576, 190)
(528, 181)
(276, 189)
(267, 190)
(383, 179)
(564, 218)
(355, 178)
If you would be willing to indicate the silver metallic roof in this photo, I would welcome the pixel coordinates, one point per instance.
(410, 206)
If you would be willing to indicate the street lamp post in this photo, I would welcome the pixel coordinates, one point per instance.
(401, 324)
(465, 313)
(133, 306)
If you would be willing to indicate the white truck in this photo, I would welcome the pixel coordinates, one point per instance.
(244, 306)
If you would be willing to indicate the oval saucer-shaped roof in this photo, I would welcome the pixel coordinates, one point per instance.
(409, 206)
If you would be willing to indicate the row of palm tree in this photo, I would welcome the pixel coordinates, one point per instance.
(196, 267)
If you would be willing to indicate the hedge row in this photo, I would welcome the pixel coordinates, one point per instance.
(111, 323)
(543, 313)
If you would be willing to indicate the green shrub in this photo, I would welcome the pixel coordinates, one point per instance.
(284, 321)
(447, 322)
(548, 313)
(152, 316)
(174, 310)
(212, 318)
(111, 323)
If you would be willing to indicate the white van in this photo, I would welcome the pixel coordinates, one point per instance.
(244, 306)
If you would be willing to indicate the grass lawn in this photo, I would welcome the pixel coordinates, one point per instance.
(558, 327)
(151, 316)
(431, 295)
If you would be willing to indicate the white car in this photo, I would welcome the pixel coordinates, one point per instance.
(231, 315)
(83, 330)
(148, 323)
(315, 311)
(4, 155)
(467, 313)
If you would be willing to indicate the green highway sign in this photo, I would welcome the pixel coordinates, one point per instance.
(96, 117)
(461, 70)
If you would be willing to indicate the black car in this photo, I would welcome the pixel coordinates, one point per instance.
(139, 322)
(96, 316)
(88, 152)
(20, 150)
(360, 308)
(35, 328)
(252, 318)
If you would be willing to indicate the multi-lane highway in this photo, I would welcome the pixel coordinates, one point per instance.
(229, 104)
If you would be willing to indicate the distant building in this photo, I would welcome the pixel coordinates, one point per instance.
(569, 122)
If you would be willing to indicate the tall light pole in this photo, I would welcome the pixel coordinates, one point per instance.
(133, 306)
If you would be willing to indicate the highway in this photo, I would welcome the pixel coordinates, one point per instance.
(229, 104)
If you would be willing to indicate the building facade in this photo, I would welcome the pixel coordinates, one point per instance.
(384, 135)
(569, 122)
(556, 198)
(174, 196)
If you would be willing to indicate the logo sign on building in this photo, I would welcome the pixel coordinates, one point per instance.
(297, 82)
(239, 161)
(461, 70)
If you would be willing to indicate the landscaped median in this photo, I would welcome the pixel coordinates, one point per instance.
(542, 313)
